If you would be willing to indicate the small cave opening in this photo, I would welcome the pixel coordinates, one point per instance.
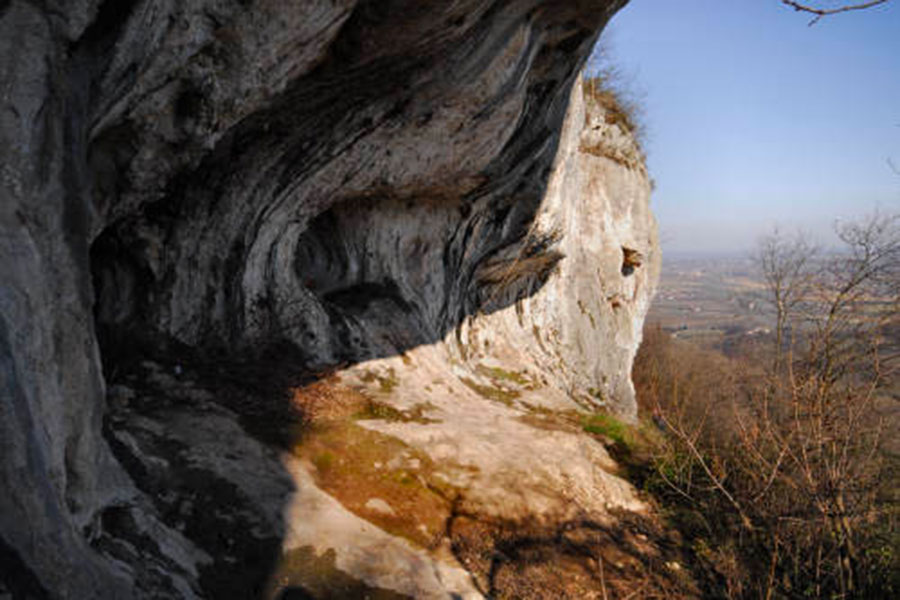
(631, 260)
(335, 262)
(354, 271)
(122, 284)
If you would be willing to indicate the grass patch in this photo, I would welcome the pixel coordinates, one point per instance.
(382, 411)
(492, 393)
(355, 465)
(610, 427)
(386, 382)
(498, 374)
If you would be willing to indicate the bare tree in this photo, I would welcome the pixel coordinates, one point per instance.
(856, 296)
(794, 468)
(814, 431)
(786, 265)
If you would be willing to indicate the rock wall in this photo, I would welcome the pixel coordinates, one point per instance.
(581, 327)
(329, 183)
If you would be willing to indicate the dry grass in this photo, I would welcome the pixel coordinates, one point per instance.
(620, 108)
(356, 465)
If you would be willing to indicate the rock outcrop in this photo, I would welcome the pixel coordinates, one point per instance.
(206, 205)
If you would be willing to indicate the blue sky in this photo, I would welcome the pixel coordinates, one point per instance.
(753, 118)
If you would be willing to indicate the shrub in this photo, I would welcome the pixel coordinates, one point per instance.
(605, 84)
(782, 463)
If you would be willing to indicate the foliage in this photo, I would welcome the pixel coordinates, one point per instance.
(781, 467)
(608, 426)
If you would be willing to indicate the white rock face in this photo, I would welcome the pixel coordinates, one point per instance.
(580, 330)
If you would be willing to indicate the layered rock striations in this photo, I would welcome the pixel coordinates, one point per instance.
(204, 203)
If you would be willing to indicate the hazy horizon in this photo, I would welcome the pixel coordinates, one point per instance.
(755, 119)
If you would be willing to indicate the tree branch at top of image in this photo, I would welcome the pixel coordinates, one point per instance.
(824, 12)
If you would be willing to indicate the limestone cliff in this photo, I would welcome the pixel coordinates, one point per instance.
(245, 246)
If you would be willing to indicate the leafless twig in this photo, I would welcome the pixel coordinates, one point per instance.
(824, 12)
(602, 578)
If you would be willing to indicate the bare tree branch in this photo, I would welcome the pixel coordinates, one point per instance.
(716, 481)
(823, 12)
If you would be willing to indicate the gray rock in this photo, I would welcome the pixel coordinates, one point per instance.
(350, 179)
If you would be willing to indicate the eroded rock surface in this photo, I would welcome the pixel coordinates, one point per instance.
(202, 204)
